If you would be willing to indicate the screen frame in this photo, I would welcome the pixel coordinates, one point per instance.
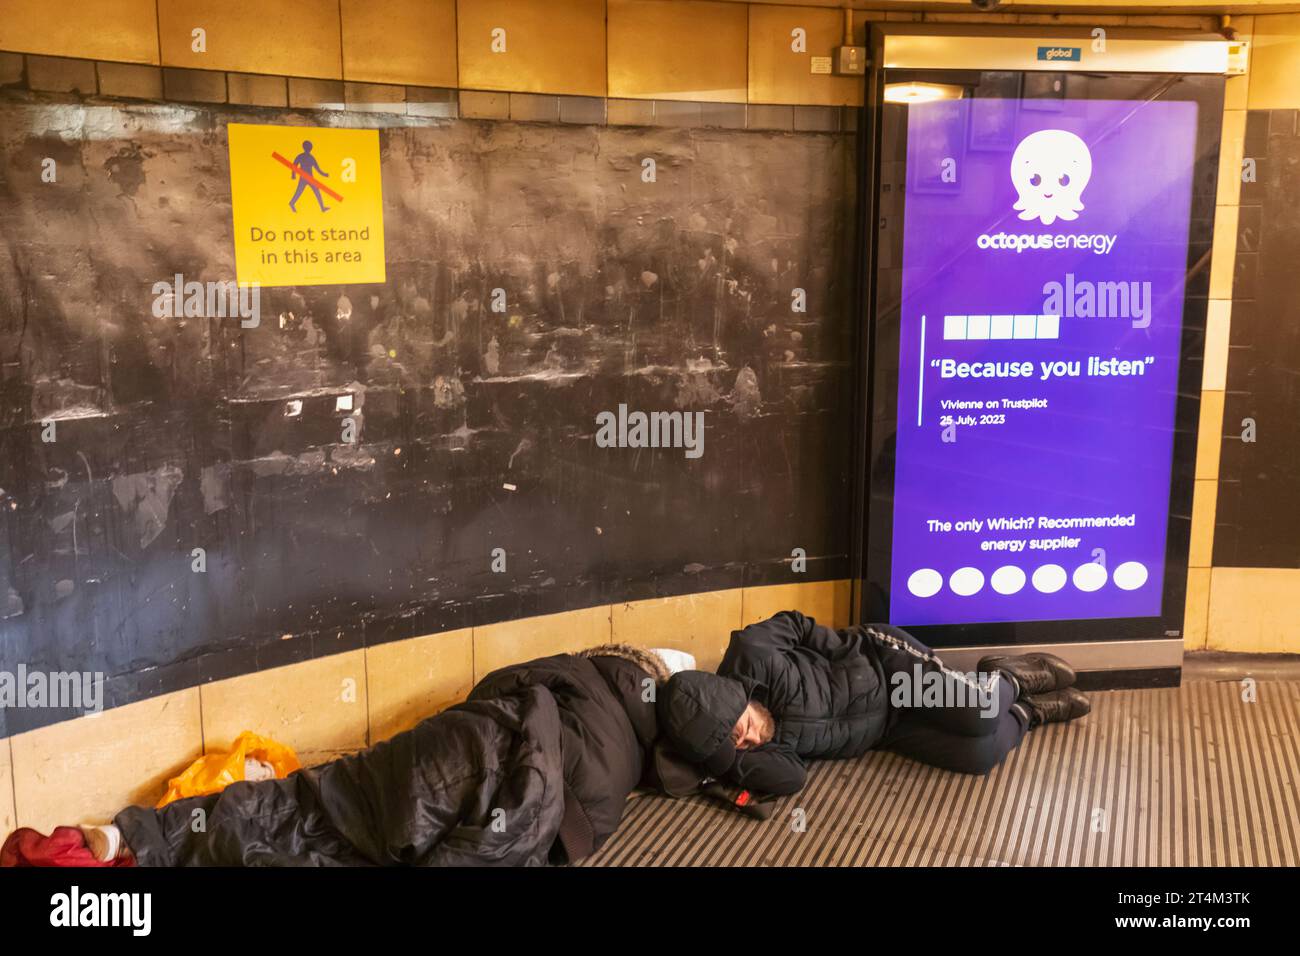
(879, 351)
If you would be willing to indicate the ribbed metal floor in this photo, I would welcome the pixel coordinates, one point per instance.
(1179, 777)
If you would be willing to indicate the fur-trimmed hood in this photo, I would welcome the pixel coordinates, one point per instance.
(647, 660)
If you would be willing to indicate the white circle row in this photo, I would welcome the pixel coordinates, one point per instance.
(1050, 578)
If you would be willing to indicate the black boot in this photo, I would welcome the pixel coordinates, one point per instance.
(1035, 673)
(1054, 708)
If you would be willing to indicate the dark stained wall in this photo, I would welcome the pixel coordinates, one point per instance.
(1257, 521)
(477, 428)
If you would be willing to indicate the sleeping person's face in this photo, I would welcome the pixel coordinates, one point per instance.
(754, 728)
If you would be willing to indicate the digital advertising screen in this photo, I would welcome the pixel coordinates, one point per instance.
(1044, 259)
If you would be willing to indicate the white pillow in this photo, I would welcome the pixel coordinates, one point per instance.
(676, 660)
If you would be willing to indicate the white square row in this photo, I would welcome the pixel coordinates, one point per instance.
(1001, 326)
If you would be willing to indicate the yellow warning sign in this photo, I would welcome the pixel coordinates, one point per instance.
(308, 205)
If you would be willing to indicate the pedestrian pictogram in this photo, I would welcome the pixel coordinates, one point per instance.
(302, 169)
(315, 219)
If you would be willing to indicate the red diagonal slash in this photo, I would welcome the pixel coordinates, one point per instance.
(325, 189)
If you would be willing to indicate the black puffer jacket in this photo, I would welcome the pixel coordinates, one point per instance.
(607, 731)
(535, 767)
(826, 688)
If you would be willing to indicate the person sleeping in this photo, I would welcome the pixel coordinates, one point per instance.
(535, 767)
(790, 690)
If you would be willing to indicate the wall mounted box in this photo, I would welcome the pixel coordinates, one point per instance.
(851, 60)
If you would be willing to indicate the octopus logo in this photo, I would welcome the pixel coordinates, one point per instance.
(1050, 169)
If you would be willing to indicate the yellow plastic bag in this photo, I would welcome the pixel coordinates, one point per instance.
(212, 773)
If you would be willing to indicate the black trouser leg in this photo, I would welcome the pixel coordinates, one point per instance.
(941, 716)
(916, 737)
